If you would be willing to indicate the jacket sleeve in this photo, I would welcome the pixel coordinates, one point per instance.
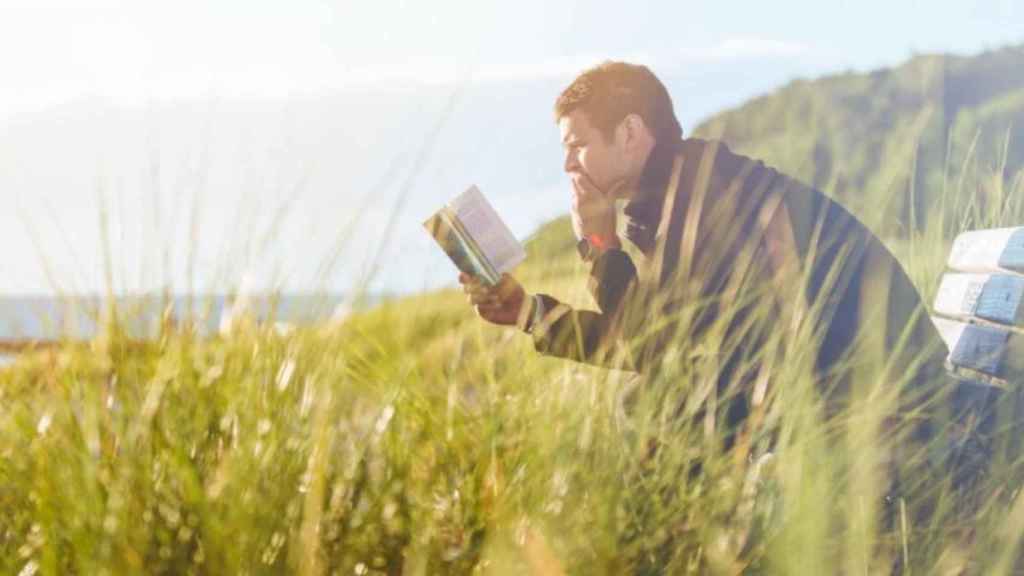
(593, 337)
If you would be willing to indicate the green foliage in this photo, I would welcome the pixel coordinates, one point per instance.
(888, 142)
(414, 439)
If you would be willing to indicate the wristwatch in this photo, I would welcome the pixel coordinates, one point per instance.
(586, 250)
(590, 247)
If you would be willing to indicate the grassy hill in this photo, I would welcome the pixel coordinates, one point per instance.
(893, 143)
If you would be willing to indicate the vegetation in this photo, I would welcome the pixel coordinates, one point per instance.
(415, 439)
(886, 143)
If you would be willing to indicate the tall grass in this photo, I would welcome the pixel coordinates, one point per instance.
(414, 439)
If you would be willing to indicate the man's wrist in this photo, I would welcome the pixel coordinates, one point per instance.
(605, 241)
(532, 313)
(591, 247)
(609, 244)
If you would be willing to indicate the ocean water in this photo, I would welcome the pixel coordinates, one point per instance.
(41, 318)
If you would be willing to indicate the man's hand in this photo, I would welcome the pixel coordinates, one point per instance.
(499, 304)
(593, 214)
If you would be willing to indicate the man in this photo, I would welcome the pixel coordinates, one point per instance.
(718, 250)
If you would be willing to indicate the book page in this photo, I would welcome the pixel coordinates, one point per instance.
(455, 245)
(494, 239)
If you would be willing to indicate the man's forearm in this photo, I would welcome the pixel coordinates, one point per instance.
(593, 337)
(582, 335)
(612, 275)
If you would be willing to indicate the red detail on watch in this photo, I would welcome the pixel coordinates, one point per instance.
(597, 241)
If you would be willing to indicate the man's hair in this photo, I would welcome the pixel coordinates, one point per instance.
(610, 91)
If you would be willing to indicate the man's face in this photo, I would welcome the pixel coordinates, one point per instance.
(591, 159)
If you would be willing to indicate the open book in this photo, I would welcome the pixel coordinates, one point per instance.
(476, 239)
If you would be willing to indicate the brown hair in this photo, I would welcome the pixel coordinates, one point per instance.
(610, 91)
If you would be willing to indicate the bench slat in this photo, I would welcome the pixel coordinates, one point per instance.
(996, 250)
(989, 349)
(993, 297)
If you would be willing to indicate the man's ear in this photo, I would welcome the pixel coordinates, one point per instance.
(632, 129)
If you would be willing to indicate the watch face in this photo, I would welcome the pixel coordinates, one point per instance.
(584, 248)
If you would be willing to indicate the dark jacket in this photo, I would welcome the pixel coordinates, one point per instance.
(741, 237)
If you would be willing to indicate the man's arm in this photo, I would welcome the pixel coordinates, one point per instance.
(591, 336)
(595, 337)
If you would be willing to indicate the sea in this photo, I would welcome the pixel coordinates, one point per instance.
(47, 318)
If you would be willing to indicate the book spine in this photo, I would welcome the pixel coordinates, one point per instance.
(485, 266)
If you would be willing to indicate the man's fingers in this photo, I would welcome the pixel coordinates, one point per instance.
(491, 302)
(468, 279)
(505, 287)
(474, 289)
(492, 294)
(487, 312)
(580, 196)
(585, 188)
(579, 189)
(473, 284)
(483, 299)
(503, 284)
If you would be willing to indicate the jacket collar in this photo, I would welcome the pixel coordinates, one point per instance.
(643, 211)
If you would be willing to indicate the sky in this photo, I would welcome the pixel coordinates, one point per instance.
(62, 58)
(138, 51)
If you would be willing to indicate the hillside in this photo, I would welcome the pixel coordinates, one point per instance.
(865, 138)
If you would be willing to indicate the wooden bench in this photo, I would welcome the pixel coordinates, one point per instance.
(979, 307)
